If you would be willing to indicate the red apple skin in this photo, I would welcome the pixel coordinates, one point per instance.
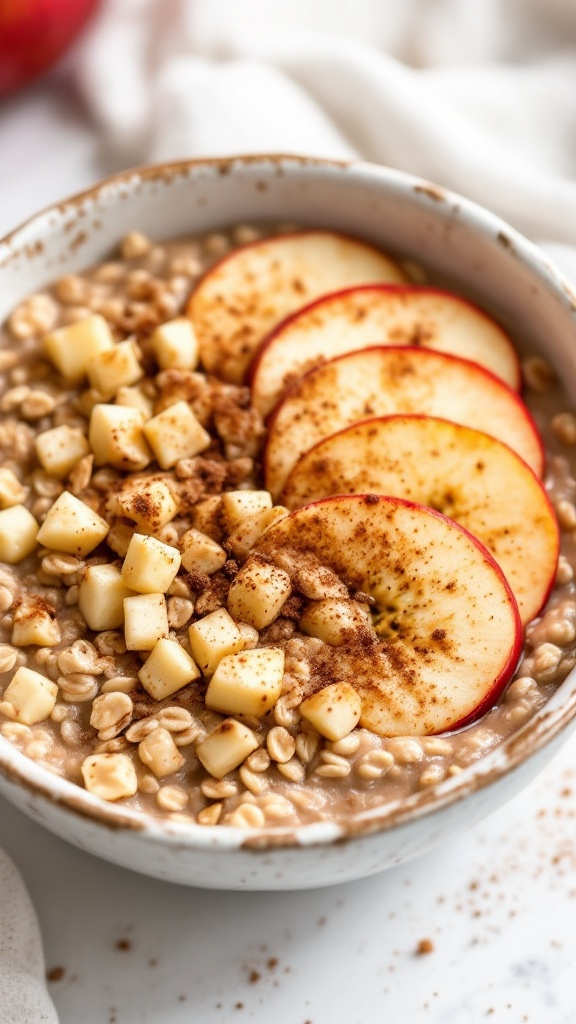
(34, 34)
(271, 421)
(285, 498)
(248, 350)
(400, 290)
(499, 684)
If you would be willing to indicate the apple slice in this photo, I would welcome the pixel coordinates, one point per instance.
(465, 474)
(379, 314)
(445, 634)
(382, 381)
(242, 297)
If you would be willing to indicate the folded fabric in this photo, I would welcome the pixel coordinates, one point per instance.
(173, 79)
(23, 995)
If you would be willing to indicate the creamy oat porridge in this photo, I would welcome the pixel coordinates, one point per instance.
(157, 645)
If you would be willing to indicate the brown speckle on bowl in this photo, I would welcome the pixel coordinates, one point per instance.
(432, 191)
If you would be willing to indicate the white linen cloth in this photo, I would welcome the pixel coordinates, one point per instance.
(23, 995)
(478, 95)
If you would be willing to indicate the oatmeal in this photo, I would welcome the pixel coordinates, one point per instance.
(147, 650)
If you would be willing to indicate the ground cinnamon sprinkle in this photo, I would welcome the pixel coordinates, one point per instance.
(55, 974)
(424, 947)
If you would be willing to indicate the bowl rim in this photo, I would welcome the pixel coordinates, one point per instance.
(546, 725)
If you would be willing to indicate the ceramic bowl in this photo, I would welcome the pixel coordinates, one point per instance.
(460, 242)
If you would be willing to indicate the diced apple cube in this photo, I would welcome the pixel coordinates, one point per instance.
(159, 753)
(11, 490)
(18, 534)
(206, 516)
(72, 526)
(252, 528)
(115, 368)
(274, 515)
(175, 345)
(101, 597)
(110, 776)
(135, 398)
(175, 434)
(239, 505)
(30, 697)
(167, 670)
(248, 683)
(149, 503)
(332, 620)
(250, 636)
(212, 637)
(150, 566)
(226, 747)
(145, 621)
(200, 553)
(116, 437)
(334, 711)
(71, 348)
(243, 539)
(35, 622)
(258, 593)
(60, 448)
(43, 631)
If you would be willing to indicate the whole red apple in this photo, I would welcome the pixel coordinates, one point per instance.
(34, 34)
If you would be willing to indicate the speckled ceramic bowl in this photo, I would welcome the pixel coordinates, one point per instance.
(457, 240)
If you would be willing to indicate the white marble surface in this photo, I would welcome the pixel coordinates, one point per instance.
(498, 905)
